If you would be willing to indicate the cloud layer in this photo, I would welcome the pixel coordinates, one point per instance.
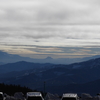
(50, 23)
(50, 11)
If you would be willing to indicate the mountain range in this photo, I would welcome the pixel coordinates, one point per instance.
(58, 78)
(11, 58)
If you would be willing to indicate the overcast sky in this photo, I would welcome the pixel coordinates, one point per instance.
(56, 28)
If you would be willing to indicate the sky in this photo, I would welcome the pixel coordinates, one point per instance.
(55, 28)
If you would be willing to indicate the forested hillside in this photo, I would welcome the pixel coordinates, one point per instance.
(11, 89)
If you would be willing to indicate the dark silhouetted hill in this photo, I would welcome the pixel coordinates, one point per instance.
(59, 78)
(11, 89)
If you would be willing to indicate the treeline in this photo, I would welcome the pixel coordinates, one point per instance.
(11, 89)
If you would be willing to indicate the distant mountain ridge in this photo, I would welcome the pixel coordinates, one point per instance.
(11, 58)
(22, 65)
(58, 77)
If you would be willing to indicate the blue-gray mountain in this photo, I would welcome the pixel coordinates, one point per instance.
(59, 78)
(10, 58)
